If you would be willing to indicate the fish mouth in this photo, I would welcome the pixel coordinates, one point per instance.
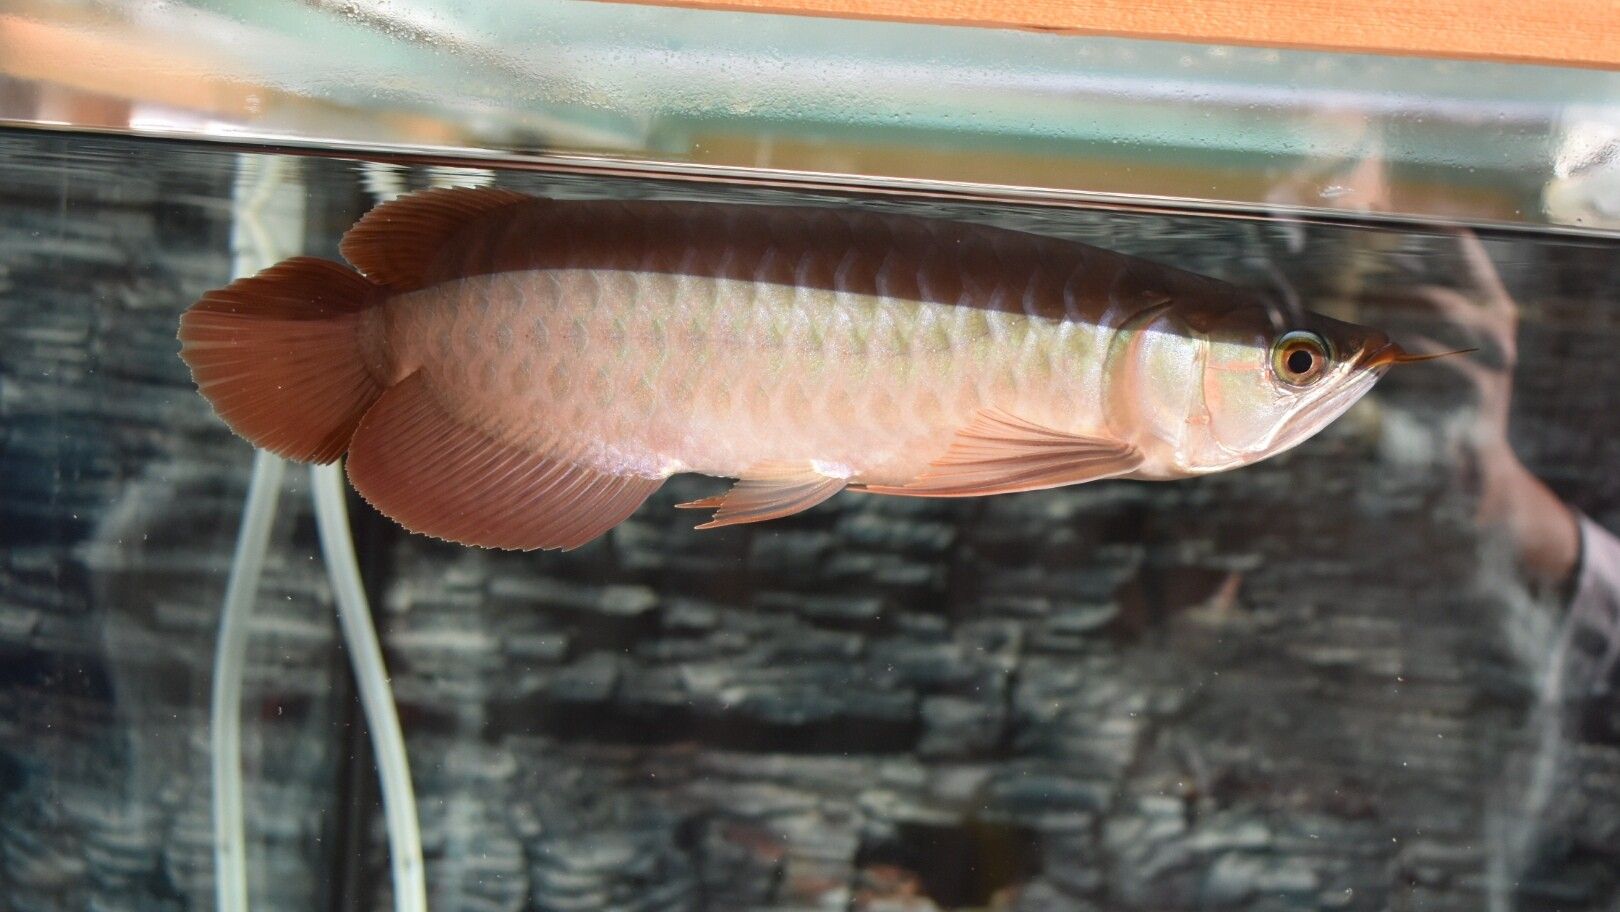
(1360, 376)
(1370, 365)
(1390, 353)
(1385, 355)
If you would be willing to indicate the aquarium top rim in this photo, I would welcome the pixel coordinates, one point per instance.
(1178, 121)
(1563, 33)
(830, 183)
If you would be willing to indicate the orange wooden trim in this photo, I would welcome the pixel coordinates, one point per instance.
(1583, 33)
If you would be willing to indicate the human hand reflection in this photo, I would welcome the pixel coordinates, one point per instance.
(1543, 530)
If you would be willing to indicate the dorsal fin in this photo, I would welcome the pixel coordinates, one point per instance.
(395, 243)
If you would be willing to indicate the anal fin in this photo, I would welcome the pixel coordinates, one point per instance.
(769, 490)
(998, 453)
(420, 466)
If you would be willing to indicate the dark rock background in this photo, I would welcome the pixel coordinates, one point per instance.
(1311, 684)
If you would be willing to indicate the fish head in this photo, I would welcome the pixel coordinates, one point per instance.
(1267, 388)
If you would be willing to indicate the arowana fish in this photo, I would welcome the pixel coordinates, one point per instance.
(522, 373)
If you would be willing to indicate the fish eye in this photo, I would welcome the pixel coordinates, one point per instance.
(1300, 358)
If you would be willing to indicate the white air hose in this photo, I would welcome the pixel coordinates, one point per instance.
(376, 699)
(262, 186)
(230, 657)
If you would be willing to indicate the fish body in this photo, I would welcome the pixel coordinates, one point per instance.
(517, 372)
(657, 338)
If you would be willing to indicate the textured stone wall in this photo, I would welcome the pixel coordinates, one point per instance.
(119, 500)
(1310, 684)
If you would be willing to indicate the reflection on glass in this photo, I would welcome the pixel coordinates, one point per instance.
(1375, 672)
(1571, 562)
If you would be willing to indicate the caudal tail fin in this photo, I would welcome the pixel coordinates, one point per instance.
(279, 356)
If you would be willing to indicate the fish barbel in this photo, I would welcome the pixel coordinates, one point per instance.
(522, 373)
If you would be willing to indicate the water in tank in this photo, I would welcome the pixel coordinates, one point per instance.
(1374, 672)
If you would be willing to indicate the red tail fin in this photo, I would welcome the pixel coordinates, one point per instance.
(278, 356)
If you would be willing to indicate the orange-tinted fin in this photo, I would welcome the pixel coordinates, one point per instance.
(769, 490)
(707, 503)
(395, 243)
(998, 453)
(278, 356)
(432, 474)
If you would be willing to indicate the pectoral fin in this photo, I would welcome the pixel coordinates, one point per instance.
(998, 453)
(769, 490)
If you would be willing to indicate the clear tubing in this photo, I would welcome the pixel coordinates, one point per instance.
(376, 699)
(230, 655)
